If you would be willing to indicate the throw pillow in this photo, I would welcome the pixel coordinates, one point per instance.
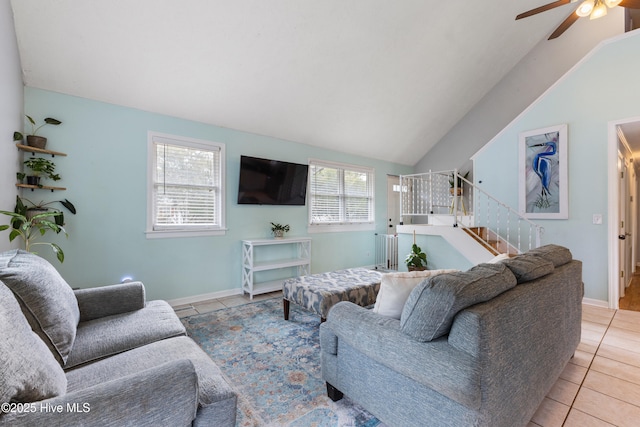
(28, 371)
(432, 305)
(395, 289)
(558, 255)
(527, 267)
(46, 300)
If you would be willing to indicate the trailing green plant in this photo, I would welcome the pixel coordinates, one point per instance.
(24, 205)
(18, 136)
(39, 165)
(416, 258)
(31, 229)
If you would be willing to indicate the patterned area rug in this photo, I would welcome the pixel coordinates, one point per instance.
(274, 366)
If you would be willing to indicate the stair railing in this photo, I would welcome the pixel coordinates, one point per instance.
(499, 227)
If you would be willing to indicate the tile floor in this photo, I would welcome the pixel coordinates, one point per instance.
(599, 387)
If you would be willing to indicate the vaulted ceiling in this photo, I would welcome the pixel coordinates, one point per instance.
(379, 78)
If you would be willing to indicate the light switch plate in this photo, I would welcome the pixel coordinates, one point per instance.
(597, 219)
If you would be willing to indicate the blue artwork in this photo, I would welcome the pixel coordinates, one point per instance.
(542, 173)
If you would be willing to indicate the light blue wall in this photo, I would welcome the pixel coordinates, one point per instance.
(440, 254)
(603, 88)
(105, 173)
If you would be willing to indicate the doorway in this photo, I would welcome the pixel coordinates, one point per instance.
(623, 146)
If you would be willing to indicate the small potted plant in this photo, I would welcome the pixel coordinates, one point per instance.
(416, 260)
(29, 230)
(278, 230)
(34, 140)
(39, 166)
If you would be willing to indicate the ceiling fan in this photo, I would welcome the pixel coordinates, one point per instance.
(592, 8)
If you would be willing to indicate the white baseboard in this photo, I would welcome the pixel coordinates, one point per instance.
(596, 302)
(204, 297)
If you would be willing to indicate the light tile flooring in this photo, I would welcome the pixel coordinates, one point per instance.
(599, 387)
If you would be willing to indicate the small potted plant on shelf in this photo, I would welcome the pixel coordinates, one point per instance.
(278, 230)
(39, 166)
(416, 260)
(34, 140)
(29, 230)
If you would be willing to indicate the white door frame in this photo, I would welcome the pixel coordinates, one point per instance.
(613, 206)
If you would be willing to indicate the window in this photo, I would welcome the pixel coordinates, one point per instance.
(185, 187)
(340, 196)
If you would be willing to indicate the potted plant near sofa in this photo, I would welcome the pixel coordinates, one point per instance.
(34, 140)
(30, 229)
(29, 209)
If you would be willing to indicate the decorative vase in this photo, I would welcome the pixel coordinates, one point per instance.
(458, 192)
(36, 141)
(31, 212)
(278, 234)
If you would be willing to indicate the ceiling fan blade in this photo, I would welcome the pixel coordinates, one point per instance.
(564, 26)
(544, 8)
(631, 4)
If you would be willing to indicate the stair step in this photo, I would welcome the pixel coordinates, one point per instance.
(477, 232)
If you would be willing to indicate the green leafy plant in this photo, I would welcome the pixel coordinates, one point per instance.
(39, 166)
(278, 229)
(27, 208)
(18, 136)
(31, 229)
(416, 258)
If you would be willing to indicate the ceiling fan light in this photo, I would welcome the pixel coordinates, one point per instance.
(585, 8)
(598, 11)
(612, 3)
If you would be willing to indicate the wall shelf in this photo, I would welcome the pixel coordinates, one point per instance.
(301, 260)
(34, 150)
(40, 187)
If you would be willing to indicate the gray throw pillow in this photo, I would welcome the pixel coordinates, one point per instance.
(432, 305)
(28, 370)
(46, 300)
(527, 267)
(558, 255)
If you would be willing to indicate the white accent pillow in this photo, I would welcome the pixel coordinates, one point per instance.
(395, 289)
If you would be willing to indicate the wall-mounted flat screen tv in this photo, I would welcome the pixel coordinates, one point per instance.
(271, 182)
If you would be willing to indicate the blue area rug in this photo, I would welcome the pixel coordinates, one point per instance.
(274, 366)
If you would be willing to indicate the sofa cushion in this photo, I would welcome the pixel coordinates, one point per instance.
(46, 300)
(28, 370)
(395, 289)
(106, 336)
(558, 255)
(527, 267)
(432, 305)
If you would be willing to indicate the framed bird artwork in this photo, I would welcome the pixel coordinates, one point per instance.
(543, 192)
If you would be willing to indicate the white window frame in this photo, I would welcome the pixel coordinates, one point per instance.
(153, 138)
(342, 226)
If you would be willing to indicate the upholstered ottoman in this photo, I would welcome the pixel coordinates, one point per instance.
(319, 292)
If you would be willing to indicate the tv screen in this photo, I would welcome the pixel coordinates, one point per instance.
(271, 182)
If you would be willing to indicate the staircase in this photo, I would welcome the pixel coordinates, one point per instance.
(448, 199)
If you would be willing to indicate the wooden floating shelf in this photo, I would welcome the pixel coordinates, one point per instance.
(35, 150)
(40, 187)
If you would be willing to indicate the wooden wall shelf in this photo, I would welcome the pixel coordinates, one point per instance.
(41, 187)
(35, 150)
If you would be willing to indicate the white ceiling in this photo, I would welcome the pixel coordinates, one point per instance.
(379, 78)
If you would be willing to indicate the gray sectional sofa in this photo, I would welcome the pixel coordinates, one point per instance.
(475, 348)
(99, 356)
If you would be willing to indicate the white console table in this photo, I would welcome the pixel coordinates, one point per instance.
(300, 257)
